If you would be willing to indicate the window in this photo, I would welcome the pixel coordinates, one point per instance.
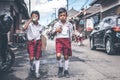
(110, 21)
(118, 21)
(101, 24)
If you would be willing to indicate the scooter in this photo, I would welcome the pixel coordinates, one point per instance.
(7, 56)
(6, 60)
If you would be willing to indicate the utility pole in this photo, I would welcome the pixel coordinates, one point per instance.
(67, 5)
(55, 12)
(29, 6)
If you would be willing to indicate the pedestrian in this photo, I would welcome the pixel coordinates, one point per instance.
(77, 37)
(63, 32)
(34, 35)
(81, 39)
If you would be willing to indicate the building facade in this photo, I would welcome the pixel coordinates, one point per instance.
(18, 10)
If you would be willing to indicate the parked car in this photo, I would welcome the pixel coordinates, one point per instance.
(106, 35)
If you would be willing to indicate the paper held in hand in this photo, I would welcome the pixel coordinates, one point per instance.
(44, 43)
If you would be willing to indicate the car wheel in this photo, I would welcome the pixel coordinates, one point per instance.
(110, 49)
(92, 47)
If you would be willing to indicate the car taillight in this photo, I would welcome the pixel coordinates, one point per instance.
(116, 28)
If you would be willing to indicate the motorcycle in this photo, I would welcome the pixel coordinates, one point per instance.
(7, 56)
(7, 62)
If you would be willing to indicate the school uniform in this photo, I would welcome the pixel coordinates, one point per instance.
(34, 33)
(63, 39)
(81, 37)
(77, 36)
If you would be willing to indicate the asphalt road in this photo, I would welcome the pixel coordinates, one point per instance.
(84, 65)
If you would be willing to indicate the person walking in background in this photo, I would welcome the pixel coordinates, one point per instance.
(63, 32)
(79, 36)
(34, 35)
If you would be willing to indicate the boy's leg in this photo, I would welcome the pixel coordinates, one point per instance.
(58, 56)
(60, 64)
(81, 41)
(59, 60)
(32, 65)
(37, 66)
(31, 54)
(37, 59)
(66, 62)
(66, 72)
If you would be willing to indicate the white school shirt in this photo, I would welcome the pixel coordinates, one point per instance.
(81, 35)
(34, 31)
(66, 29)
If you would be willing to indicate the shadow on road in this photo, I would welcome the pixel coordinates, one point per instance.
(48, 61)
(8, 76)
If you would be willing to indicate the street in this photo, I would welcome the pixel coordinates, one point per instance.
(85, 64)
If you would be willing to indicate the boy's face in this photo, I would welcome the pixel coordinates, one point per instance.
(35, 17)
(62, 16)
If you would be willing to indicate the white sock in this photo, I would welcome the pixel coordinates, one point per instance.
(37, 65)
(60, 64)
(66, 64)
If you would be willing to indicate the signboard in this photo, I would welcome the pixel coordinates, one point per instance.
(89, 24)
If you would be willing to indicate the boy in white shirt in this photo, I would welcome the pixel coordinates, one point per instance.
(63, 32)
(34, 35)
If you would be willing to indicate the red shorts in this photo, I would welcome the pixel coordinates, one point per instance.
(34, 48)
(81, 39)
(77, 38)
(63, 45)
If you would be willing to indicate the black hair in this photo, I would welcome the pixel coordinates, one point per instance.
(61, 10)
(36, 12)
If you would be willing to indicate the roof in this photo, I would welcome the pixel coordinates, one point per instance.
(91, 10)
(72, 12)
(97, 2)
(23, 8)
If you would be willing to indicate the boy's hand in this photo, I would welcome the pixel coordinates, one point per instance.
(59, 30)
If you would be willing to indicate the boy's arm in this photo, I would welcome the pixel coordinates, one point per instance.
(27, 24)
(56, 29)
(54, 33)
